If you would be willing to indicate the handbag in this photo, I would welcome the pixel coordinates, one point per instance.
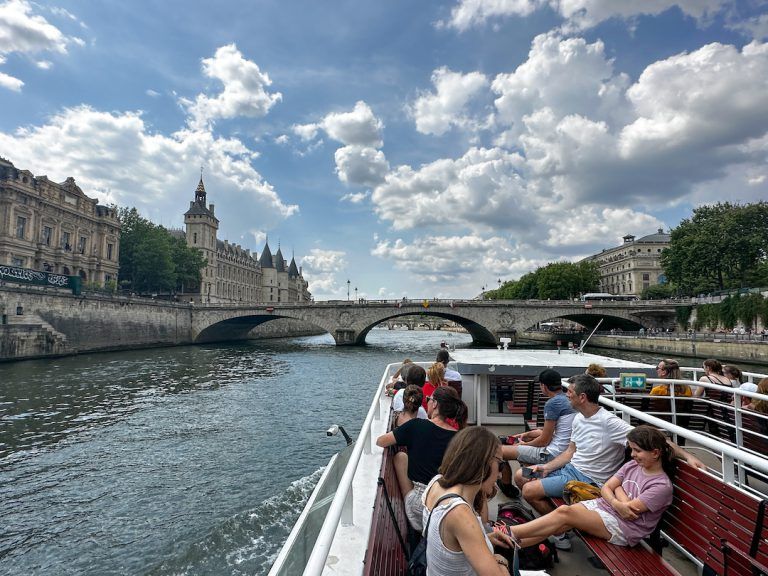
(576, 491)
(417, 564)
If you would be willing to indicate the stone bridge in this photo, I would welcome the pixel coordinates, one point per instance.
(486, 320)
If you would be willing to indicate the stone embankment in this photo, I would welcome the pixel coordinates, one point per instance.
(46, 323)
(671, 346)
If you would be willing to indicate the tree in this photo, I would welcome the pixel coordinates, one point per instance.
(721, 246)
(189, 264)
(657, 292)
(556, 281)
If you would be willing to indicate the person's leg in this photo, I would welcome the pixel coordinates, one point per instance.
(535, 494)
(509, 452)
(561, 520)
(518, 478)
(400, 462)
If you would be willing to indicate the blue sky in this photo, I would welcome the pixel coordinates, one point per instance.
(425, 149)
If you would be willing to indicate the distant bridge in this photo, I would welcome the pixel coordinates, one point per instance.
(349, 322)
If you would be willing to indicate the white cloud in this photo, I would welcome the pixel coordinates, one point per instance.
(23, 31)
(435, 113)
(306, 132)
(360, 165)
(10, 82)
(578, 14)
(567, 76)
(481, 189)
(152, 93)
(356, 197)
(756, 27)
(360, 127)
(245, 89)
(151, 171)
(282, 140)
(578, 232)
(320, 268)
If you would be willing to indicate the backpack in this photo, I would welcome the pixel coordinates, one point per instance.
(540, 556)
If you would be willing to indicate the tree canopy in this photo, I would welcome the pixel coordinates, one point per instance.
(154, 260)
(721, 246)
(556, 281)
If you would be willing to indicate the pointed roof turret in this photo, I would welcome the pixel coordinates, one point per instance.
(197, 207)
(279, 260)
(293, 271)
(266, 256)
(200, 193)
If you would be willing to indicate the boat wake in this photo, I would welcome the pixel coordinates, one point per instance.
(246, 543)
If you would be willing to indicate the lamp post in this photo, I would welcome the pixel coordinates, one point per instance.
(355, 293)
(499, 281)
(347, 290)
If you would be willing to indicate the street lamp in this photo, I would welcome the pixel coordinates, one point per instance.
(499, 281)
(347, 290)
(355, 293)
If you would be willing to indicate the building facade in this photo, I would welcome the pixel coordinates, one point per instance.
(234, 274)
(56, 228)
(633, 266)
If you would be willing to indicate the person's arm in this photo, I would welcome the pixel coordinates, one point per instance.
(557, 462)
(461, 525)
(687, 456)
(386, 440)
(544, 436)
(615, 496)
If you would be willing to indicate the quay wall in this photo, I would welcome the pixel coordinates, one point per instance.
(55, 323)
(752, 352)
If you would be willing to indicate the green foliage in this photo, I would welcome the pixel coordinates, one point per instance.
(683, 315)
(721, 246)
(152, 259)
(658, 292)
(556, 281)
(746, 308)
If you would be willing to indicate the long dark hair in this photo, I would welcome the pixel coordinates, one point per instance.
(468, 460)
(450, 406)
(649, 438)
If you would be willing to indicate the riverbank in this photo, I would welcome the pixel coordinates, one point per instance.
(671, 346)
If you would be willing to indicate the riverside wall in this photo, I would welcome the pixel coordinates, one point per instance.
(55, 323)
(752, 352)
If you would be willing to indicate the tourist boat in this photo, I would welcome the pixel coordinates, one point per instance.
(348, 527)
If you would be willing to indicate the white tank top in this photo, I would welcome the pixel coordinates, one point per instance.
(440, 560)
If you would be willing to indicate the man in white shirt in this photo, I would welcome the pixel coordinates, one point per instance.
(451, 376)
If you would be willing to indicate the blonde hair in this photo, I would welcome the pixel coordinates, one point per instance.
(761, 405)
(596, 371)
(436, 374)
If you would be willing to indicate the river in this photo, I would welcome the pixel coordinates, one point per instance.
(179, 461)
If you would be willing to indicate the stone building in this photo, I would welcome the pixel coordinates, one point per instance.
(55, 227)
(633, 266)
(234, 274)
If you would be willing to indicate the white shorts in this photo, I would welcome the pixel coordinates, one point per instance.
(532, 454)
(414, 509)
(611, 524)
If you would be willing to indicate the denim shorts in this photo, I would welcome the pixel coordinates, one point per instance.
(554, 482)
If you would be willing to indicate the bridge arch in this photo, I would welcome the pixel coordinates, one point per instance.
(479, 334)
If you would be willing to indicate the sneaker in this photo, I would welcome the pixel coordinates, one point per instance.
(562, 542)
(509, 490)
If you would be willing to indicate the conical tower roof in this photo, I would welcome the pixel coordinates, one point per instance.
(266, 257)
(293, 270)
(279, 261)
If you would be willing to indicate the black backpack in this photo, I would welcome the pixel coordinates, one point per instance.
(541, 556)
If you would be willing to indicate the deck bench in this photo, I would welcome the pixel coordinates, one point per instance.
(723, 527)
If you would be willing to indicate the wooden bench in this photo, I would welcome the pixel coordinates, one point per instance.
(723, 527)
(389, 527)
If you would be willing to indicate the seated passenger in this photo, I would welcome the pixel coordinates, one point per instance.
(670, 370)
(633, 500)
(713, 374)
(541, 445)
(456, 541)
(426, 441)
(415, 375)
(452, 377)
(435, 379)
(760, 405)
(412, 397)
(397, 382)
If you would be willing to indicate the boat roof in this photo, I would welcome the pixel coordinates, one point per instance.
(522, 362)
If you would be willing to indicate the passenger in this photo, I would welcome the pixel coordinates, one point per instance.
(457, 544)
(415, 375)
(760, 405)
(435, 379)
(451, 376)
(426, 441)
(596, 371)
(633, 500)
(713, 373)
(543, 444)
(733, 374)
(412, 397)
(595, 453)
(398, 378)
(669, 370)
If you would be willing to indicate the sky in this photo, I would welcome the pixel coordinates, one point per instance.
(426, 149)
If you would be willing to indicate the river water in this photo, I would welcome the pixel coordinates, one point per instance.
(177, 461)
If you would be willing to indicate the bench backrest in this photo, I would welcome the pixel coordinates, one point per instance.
(705, 512)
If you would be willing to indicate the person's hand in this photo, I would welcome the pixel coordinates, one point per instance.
(624, 510)
(501, 539)
(540, 470)
(695, 462)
